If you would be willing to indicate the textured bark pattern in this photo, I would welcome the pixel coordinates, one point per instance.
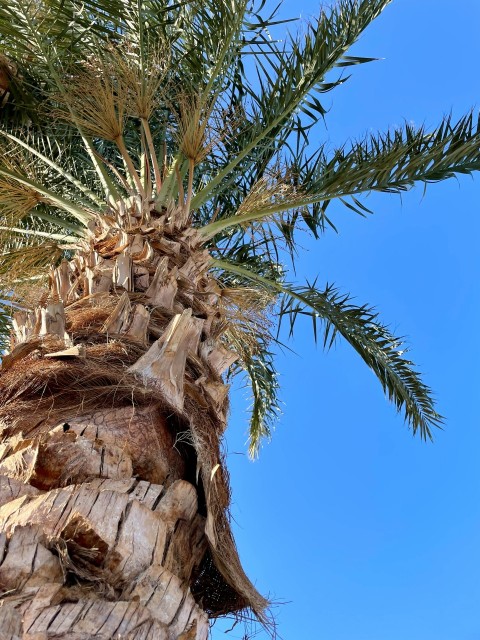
(115, 443)
(110, 399)
(104, 559)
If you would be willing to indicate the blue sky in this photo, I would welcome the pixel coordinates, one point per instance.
(362, 531)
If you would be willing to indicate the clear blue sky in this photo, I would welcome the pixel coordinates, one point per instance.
(364, 532)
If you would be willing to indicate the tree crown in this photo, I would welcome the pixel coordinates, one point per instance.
(193, 109)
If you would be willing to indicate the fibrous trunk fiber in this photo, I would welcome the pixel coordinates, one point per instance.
(113, 495)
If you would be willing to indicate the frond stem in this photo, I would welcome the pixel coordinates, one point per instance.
(191, 169)
(40, 234)
(129, 163)
(181, 192)
(153, 155)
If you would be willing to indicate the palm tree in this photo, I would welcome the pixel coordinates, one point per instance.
(155, 172)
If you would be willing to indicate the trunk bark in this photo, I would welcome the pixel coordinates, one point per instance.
(105, 554)
(113, 497)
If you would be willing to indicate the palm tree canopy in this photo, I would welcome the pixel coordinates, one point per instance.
(152, 104)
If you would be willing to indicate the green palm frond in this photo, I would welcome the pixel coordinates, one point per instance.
(246, 310)
(47, 150)
(18, 265)
(80, 214)
(378, 347)
(361, 328)
(263, 381)
(5, 322)
(290, 77)
(30, 248)
(394, 161)
(391, 163)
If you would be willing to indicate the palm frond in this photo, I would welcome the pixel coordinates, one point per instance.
(5, 322)
(395, 161)
(246, 310)
(19, 264)
(79, 213)
(391, 163)
(28, 250)
(361, 328)
(264, 410)
(291, 77)
(33, 147)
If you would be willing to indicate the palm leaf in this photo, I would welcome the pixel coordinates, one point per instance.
(62, 172)
(360, 327)
(292, 76)
(5, 323)
(80, 214)
(391, 163)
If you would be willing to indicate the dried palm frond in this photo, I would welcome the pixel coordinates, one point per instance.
(142, 76)
(245, 312)
(18, 266)
(16, 199)
(29, 291)
(194, 132)
(96, 99)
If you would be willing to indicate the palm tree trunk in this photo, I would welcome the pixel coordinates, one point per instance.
(104, 559)
(113, 497)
